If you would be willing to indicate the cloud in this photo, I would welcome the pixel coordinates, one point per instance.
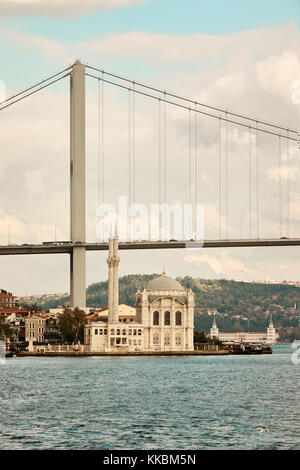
(287, 66)
(231, 71)
(234, 51)
(62, 8)
(284, 173)
(223, 265)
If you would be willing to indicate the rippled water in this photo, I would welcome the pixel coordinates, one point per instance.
(236, 402)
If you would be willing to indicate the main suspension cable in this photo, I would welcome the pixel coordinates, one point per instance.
(32, 92)
(173, 95)
(35, 86)
(193, 109)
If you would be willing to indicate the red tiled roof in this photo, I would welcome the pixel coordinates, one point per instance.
(8, 310)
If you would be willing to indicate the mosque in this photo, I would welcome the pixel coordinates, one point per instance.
(164, 318)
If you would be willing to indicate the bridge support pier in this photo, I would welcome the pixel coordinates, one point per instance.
(77, 277)
(77, 186)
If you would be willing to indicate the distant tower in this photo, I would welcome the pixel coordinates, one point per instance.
(113, 261)
(271, 332)
(214, 331)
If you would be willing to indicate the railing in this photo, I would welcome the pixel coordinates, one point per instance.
(206, 347)
(72, 348)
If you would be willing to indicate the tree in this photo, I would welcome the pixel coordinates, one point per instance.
(289, 334)
(200, 337)
(71, 325)
(5, 330)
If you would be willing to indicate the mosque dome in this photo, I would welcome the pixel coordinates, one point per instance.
(164, 282)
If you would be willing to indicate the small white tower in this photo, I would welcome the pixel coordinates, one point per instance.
(271, 333)
(214, 331)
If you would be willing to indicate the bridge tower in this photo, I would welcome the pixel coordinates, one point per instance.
(77, 187)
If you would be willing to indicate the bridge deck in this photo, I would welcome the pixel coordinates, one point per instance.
(27, 249)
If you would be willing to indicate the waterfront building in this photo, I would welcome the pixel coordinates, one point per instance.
(52, 334)
(126, 314)
(164, 318)
(17, 325)
(8, 302)
(42, 328)
(268, 337)
(35, 328)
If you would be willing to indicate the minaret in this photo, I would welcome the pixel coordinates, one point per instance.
(110, 261)
(116, 280)
(113, 261)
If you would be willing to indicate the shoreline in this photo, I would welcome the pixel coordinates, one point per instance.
(122, 354)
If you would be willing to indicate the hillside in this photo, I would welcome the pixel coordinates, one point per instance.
(240, 305)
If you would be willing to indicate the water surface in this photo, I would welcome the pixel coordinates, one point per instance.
(235, 402)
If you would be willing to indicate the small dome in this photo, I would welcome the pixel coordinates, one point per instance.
(164, 283)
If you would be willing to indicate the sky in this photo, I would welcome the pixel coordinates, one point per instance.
(239, 55)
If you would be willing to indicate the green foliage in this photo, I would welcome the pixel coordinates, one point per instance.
(5, 329)
(288, 335)
(242, 306)
(201, 337)
(71, 325)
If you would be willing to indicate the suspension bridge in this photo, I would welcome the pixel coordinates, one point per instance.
(77, 246)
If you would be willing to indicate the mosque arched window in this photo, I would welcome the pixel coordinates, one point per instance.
(124, 332)
(178, 318)
(167, 318)
(156, 318)
(167, 340)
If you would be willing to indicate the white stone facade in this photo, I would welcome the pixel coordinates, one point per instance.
(164, 317)
(268, 337)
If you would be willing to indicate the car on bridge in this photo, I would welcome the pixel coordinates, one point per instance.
(59, 242)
